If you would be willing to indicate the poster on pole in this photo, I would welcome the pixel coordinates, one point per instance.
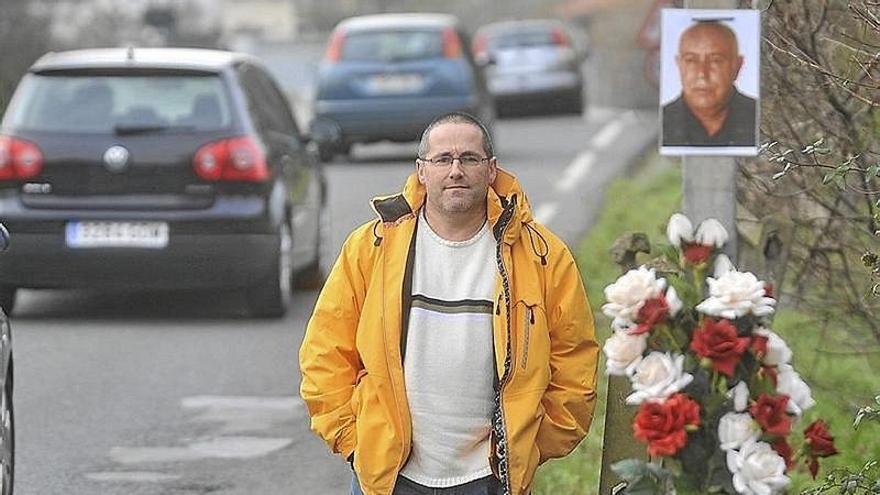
(710, 82)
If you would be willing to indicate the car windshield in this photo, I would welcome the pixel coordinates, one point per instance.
(392, 45)
(105, 104)
(521, 39)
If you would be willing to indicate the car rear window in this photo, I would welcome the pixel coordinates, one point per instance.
(522, 39)
(108, 103)
(392, 45)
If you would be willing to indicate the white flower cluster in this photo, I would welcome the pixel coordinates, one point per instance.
(756, 468)
(628, 294)
(736, 294)
(680, 230)
(658, 376)
(625, 298)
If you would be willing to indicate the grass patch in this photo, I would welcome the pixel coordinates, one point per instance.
(831, 360)
(658, 190)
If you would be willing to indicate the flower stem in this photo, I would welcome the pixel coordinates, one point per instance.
(667, 332)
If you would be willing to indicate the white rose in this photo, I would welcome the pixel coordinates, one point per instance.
(722, 265)
(790, 383)
(679, 229)
(777, 350)
(740, 396)
(735, 429)
(628, 294)
(624, 353)
(673, 301)
(622, 325)
(735, 294)
(658, 376)
(757, 469)
(711, 233)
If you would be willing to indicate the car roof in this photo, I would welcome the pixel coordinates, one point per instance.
(508, 26)
(385, 21)
(142, 58)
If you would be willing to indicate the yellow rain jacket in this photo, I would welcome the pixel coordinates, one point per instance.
(545, 348)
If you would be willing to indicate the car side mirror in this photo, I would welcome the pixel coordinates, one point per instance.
(486, 59)
(325, 133)
(4, 238)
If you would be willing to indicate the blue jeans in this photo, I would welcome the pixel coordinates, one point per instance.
(483, 486)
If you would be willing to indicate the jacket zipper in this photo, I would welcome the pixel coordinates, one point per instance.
(504, 464)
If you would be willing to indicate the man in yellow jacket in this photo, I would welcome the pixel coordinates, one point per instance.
(452, 348)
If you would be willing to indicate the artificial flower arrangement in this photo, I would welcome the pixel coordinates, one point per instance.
(718, 399)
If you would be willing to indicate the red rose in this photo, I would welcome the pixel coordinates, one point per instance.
(662, 425)
(718, 341)
(820, 444)
(819, 439)
(651, 313)
(781, 446)
(696, 253)
(769, 412)
(759, 345)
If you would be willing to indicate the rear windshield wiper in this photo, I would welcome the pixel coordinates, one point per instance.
(127, 130)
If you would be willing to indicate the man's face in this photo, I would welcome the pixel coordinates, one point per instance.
(456, 188)
(708, 63)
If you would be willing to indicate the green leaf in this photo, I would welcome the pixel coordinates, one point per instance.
(873, 171)
(630, 469)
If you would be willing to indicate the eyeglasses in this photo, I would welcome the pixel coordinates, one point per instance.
(464, 160)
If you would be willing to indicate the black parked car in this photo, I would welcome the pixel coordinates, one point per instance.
(7, 420)
(157, 169)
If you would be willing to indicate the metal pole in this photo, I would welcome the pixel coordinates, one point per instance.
(709, 183)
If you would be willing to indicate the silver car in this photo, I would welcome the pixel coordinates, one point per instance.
(533, 64)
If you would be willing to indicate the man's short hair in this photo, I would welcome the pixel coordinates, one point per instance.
(457, 118)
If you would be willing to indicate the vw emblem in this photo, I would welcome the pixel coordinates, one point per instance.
(116, 158)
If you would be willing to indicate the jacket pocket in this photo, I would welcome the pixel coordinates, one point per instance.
(528, 323)
(532, 342)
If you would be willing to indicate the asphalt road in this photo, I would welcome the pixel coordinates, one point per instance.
(130, 394)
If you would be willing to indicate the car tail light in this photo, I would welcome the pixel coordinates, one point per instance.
(451, 44)
(480, 44)
(559, 37)
(19, 159)
(334, 46)
(239, 159)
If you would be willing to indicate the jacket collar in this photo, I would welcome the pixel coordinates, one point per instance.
(505, 193)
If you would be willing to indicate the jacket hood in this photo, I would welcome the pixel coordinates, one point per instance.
(504, 194)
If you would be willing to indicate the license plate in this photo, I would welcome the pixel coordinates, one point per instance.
(153, 235)
(395, 83)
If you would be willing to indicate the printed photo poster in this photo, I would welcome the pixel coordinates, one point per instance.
(710, 82)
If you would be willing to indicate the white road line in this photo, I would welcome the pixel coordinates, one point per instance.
(211, 448)
(544, 213)
(609, 133)
(578, 169)
(132, 477)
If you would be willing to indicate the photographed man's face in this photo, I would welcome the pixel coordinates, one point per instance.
(708, 63)
(456, 188)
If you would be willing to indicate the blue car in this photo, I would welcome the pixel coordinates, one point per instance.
(385, 77)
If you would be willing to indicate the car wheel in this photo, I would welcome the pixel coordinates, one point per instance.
(7, 437)
(7, 299)
(271, 297)
(575, 104)
(325, 153)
